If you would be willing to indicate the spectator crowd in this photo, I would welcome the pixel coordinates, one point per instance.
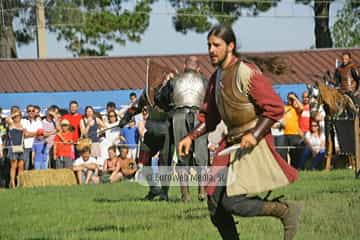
(98, 150)
(90, 143)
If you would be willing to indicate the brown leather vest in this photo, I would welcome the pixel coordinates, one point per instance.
(235, 107)
(347, 82)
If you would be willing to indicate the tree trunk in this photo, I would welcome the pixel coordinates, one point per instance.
(322, 30)
(7, 43)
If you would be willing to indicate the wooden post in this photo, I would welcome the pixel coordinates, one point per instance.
(40, 30)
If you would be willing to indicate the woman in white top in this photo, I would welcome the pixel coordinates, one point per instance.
(314, 146)
(112, 135)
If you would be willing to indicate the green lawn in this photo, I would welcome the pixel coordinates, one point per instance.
(332, 211)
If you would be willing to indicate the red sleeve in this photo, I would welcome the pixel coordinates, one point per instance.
(209, 112)
(268, 103)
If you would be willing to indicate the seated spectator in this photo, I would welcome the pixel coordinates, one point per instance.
(85, 168)
(39, 152)
(314, 147)
(126, 165)
(110, 172)
(63, 147)
(130, 136)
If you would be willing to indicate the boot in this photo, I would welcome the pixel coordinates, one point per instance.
(164, 193)
(153, 192)
(201, 193)
(289, 214)
(185, 195)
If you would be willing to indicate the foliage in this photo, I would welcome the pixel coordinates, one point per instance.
(115, 211)
(346, 30)
(95, 26)
(199, 15)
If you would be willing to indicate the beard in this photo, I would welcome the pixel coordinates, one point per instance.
(219, 61)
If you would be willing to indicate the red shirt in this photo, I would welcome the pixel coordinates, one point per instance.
(74, 120)
(304, 119)
(64, 149)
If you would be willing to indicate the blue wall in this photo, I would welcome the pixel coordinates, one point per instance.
(62, 99)
(99, 99)
(284, 89)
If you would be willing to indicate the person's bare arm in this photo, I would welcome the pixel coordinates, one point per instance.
(90, 166)
(105, 168)
(32, 157)
(297, 104)
(84, 130)
(100, 123)
(78, 168)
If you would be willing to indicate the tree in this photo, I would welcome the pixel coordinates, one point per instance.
(321, 18)
(11, 10)
(346, 30)
(96, 25)
(199, 15)
(90, 27)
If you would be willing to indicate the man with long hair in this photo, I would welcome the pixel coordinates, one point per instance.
(240, 95)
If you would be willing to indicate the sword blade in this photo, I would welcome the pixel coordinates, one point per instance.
(229, 150)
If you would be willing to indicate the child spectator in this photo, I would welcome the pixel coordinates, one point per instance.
(126, 165)
(39, 152)
(63, 147)
(85, 167)
(130, 136)
(49, 126)
(110, 172)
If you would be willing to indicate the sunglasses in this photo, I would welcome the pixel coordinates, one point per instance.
(31, 110)
(314, 125)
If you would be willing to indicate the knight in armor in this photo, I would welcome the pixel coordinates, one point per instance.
(182, 96)
(347, 77)
(156, 140)
(240, 95)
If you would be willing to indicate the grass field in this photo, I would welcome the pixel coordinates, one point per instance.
(332, 211)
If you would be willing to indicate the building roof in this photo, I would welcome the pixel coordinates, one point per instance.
(114, 73)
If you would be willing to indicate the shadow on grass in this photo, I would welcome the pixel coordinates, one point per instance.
(106, 200)
(37, 238)
(194, 213)
(114, 228)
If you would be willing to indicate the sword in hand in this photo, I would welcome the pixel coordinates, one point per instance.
(247, 141)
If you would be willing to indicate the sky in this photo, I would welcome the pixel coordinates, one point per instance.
(289, 26)
(286, 27)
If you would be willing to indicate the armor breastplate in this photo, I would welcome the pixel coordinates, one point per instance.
(189, 90)
(347, 82)
(235, 107)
